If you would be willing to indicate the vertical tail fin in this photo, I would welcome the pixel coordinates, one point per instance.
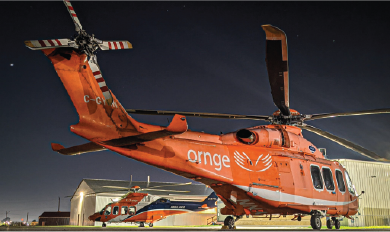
(211, 200)
(99, 119)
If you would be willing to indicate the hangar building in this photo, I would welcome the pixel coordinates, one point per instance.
(93, 194)
(374, 179)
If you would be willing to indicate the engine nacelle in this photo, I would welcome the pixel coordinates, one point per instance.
(272, 136)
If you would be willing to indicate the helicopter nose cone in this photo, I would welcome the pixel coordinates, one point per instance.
(94, 217)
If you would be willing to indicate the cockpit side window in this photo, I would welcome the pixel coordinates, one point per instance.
(340, 180)
(351, 189)
(108, 210)
(328, 178)
(316, 177)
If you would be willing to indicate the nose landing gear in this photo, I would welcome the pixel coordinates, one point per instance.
(229, 222)
(333, 222)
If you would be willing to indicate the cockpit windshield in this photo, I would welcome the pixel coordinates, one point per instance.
(101, 211)
(351, 188)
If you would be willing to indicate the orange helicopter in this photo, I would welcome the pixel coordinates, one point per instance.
(262, 170)
(133, 208)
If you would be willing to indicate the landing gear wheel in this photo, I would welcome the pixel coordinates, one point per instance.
(329, 224)
(141, 224)
(150, 224)
(337, 224)
(315, 222)
(229, 222)
(104, 224)
(299, 218)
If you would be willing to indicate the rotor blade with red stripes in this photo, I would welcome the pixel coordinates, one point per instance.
(99, 79)
(73, 15)
(115, 45)
(49, 43)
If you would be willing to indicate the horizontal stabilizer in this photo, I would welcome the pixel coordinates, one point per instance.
(77, 150)
(177, 126)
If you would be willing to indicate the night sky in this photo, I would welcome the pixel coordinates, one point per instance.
(187, 56)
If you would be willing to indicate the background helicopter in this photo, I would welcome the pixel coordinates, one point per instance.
(132, 207)
(267, 159)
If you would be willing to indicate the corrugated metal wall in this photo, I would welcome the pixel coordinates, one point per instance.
(82, 206)
(372, 178)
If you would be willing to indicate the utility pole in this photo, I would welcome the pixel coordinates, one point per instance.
(59, 204)
(6, 213)
(27, 218)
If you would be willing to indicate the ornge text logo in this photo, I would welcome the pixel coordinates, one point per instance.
(216, 159)
(261, 164)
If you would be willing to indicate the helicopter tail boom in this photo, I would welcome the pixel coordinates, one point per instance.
(100, 119)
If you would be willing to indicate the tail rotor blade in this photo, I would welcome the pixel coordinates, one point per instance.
(115, 45)
(73, 15)
(277, 66)
(99, 78)
(49, 43)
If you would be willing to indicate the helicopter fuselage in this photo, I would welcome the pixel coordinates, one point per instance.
(280, 172)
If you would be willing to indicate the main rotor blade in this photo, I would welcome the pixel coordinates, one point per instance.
(202, 115)
(333, 115)
(165, 190)
(277, 66)
(73, 15)
(345, 143)
(173, 184)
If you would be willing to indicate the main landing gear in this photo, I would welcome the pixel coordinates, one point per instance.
(315, 221)
(104, 224)
(333, 222)
(229, 222)
(141, 224)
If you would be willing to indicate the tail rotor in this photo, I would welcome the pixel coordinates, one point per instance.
(84, 43)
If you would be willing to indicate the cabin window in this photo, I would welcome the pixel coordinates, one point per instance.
(328, 178)
(316, 177)
(124, 210)
(340, 180)
(115, 211)
(108, 210)
(131, 210)
(351, 188)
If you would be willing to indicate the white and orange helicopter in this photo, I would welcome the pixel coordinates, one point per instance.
(262, 170)
(132, 207)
